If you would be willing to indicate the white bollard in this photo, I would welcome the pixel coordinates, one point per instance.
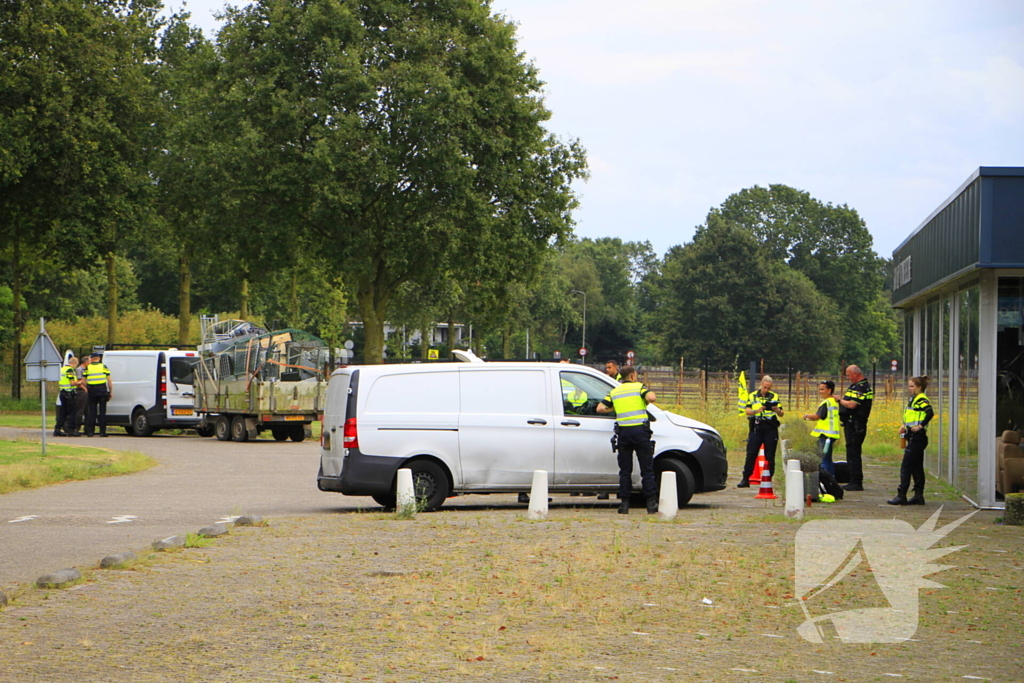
(794, 490)
(668, 501)
(405, 495)
(539, 496)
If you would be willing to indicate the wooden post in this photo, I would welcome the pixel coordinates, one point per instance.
(679, 385)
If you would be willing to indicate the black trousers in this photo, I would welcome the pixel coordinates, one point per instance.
(636, 440)
(96, 414)
(81, 407)
(855, 433)
(913, 462)
(66, 412)
(761, 435)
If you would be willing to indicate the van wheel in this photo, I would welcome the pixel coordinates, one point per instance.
(684, 477)
(239, 432)
(140, 423)
(223, 428)
(386, 501)
(279, 434)
(430, 484)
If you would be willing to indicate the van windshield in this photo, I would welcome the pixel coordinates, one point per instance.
(181, 371)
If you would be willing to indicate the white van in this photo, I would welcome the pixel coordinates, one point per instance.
(152, 390)
(485, 427)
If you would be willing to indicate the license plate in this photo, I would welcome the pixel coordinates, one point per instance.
(294, 418)
(181, 411)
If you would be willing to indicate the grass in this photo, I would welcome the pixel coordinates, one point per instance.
(22, 465)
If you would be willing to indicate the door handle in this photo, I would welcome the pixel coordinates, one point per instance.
(571, 423)
(536, 421)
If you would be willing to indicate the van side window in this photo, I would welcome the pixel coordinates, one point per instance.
(581, 394)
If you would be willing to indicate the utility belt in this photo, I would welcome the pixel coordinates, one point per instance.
(646, 426)
(70, 392)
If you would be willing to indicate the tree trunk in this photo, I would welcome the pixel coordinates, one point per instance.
(243, 304)
(184, 300)
(19, 315)
(451, 331)
(424, 342)
(293, 301)
(373, 309)
(506, 344)
(111, 301)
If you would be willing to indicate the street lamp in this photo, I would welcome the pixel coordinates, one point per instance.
(576, 291)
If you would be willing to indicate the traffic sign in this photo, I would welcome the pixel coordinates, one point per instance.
(583, 352)
(432, 354)
(894, 366)
(630, 355)
(43, 360)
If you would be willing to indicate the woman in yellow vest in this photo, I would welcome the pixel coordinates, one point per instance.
(827, 424)
(916, 417)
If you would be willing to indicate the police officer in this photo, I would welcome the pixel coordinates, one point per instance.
(764, 409)
(827, 424)
(633, 429)
(101, 389)
(68, 384)
(854, 410)
(611, 368)
(916, 416)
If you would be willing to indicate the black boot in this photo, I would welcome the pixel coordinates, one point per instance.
(901, 497)
(624, 506)
(57, 432)
(918, 498)
(652, 505)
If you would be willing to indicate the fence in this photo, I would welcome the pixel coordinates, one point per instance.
(797, 390)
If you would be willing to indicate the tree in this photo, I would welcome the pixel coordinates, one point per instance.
(73, 125)
(724, 297)
(829, 244)
(406, 138)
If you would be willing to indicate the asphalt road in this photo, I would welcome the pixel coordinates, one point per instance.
(199, 481)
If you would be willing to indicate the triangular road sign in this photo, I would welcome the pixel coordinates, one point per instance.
(43, 351)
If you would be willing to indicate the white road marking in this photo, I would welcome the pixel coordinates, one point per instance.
(26, 518)
(122, 519)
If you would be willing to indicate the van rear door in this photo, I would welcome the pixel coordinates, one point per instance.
(506, 429)
(179, 386)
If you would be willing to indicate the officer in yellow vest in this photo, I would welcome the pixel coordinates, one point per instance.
(827, 427)
(916, 416)
(633, 430)
(764, 410)
(611, 368)
(68, 384)
(101, 389)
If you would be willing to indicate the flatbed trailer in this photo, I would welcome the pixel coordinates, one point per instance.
(270, 382)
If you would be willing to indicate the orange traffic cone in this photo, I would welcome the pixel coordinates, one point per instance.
(766, 490)
(760, 465)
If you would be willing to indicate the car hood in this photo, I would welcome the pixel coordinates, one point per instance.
(680, 420)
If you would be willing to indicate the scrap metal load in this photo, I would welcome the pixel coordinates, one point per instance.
(257, 380)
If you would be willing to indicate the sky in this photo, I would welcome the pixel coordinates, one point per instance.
(886, 106)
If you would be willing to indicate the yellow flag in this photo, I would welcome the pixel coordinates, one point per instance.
(741, 399)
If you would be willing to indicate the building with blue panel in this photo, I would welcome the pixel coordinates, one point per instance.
(959, 279)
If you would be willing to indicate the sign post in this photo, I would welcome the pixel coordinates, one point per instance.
(42, 364)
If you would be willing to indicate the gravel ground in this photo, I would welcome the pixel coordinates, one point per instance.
(478, 593)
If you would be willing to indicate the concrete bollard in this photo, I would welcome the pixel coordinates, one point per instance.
(405, 494)
(794, 490)
(668, 501)
(539, 496)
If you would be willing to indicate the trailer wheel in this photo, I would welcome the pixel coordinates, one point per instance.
(206, 430)
(280, 434)
(239, 432)
(223, 428)
(298, 433)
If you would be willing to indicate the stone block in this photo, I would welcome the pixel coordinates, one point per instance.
(117, 560)
(58, 579)
(168, 543)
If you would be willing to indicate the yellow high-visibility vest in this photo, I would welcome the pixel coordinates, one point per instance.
(830, 425)
(630, 406)
(914, 414)
(96, 373)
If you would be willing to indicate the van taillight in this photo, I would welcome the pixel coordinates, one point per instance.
(324, 436)
(350, 439)
(163, 392)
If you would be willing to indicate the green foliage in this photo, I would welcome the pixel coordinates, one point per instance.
(723, 297)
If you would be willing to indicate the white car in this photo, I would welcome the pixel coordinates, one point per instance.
(485, 427)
